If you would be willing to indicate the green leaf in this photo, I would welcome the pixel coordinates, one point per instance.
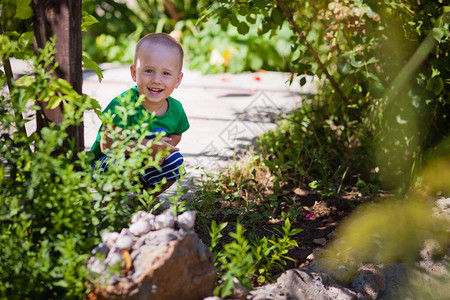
(91, 65)
(276, 16)
(243, 28)
(302, 81)
(61, 283)
(344, 67)
(435, 85)
(437, 33)
(54, 102)
(260, 3)
(234, 20)
(243, 10)
(250, 19)
(25, 81)
(26, 39)
(2, 172)
(247, 181)
(65, 87)
(23, 9)
(87, 20)
(265, 27)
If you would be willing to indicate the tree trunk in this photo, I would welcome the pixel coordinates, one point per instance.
(61, 18)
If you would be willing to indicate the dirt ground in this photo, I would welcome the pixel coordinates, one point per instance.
(318, 217)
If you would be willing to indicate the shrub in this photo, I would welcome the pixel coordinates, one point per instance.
(52, 212)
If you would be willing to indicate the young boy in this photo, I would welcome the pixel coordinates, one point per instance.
(157, 72)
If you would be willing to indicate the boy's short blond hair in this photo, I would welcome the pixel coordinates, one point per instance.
(161, 38)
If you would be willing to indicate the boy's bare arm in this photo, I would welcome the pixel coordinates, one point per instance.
(174, 139)
(163, 143)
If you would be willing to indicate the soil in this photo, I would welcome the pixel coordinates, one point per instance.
(318, 217)
(319, 220)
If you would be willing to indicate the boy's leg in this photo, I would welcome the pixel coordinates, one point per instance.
(102, 163)
(170, 169)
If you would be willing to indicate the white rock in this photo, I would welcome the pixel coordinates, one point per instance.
(124, 241)
(164, 220)
(95, 265)
(186, 220)
(138, 216)
(113, 258)
(140, 227)
(109, 238)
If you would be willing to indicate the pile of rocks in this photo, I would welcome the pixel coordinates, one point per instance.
(157, 257)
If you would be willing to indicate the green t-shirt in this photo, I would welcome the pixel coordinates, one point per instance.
(174, 121)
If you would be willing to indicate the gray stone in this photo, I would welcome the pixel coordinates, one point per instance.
(395, 277)
(369, 282)
(239, 291)
(321, 241)
(162, 264)
(271, 291)
(302, 284)
(101, 249)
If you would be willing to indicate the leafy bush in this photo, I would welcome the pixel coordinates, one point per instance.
(48, 225)
(383, 95)
(52, 212)
(309, 148)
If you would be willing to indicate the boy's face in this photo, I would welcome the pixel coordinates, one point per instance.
(156, 71)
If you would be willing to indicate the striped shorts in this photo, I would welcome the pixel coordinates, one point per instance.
(170, 169)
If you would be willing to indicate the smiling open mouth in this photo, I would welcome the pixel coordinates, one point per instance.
(155, 90)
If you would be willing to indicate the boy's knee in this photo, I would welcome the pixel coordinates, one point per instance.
(177, 158)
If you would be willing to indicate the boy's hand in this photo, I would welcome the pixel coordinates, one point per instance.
(162, 144)
(166, 141)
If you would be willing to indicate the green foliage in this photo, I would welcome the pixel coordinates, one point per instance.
(52, 206)
(236, 261)
(216, 235)
(383, 96)
(381, 118)
(250, 261)
(14, 17)
(220, 48)
(210, 47)
(120, 26)
(271, 253)
(310, 148)
(391, 231)
(245, 191)
(48, 225)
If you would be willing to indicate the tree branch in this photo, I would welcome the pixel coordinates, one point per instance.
(287, 13)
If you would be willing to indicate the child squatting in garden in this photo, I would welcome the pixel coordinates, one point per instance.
(157, 71)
